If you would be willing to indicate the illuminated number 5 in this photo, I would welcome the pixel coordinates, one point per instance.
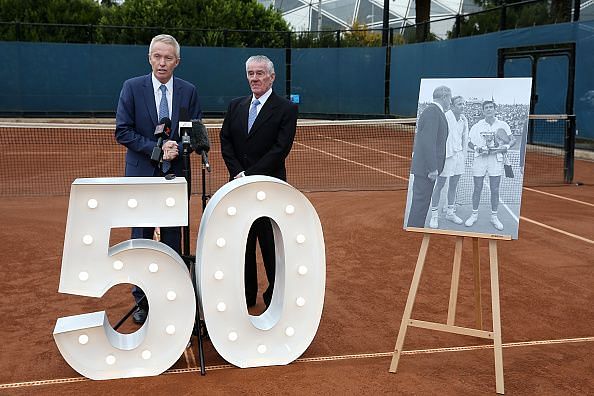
(283, 332)
(90, 267)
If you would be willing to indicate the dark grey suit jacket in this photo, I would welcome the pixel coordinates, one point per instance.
(264, 150)
(430, 140)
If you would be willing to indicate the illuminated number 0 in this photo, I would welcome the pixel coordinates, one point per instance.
(285, 330)
(90, 267)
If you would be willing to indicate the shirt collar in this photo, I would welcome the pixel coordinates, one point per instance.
(157, 84)
(262, 98)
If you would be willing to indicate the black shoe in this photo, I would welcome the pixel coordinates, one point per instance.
(139, 316)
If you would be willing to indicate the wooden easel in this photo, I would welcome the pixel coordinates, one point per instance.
(449, 327)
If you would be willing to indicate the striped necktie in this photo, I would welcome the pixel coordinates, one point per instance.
(163, 107)
(164, 112)
(253, 114)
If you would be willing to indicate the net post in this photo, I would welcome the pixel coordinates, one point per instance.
(569, 148)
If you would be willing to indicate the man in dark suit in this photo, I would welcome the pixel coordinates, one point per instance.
(256, 137)
(144, 101)
(428, 154)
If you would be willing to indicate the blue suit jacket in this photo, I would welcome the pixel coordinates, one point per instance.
(136, 119)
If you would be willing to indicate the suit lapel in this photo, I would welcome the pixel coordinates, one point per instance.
(242, 113)
(149, 98)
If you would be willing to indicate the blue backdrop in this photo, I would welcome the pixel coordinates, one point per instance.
(87, 78)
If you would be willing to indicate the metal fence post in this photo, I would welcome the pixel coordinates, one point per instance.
(576, 10)
(503, 17)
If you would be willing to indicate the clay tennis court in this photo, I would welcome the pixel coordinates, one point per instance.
(546, 292)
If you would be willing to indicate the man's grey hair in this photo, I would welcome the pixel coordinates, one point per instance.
(441, 92)
(260, 59)
(167, 39)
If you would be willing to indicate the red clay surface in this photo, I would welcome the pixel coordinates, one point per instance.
(546, 287)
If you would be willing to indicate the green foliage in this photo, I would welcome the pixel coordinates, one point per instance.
(81, 12)
(192, 22)
(324, 39)
(361, 36)
(516, 16)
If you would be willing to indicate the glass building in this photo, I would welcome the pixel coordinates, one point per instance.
(303, 15)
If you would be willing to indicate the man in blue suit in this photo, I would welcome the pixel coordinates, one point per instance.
(144, 101)
(256, 138)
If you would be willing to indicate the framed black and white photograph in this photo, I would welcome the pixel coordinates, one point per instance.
(468, 155)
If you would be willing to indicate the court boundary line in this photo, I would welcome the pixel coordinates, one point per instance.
(537, 223)
(365, 147)
(428, 351)
(558, 196)
(352, 162)
(560, 231)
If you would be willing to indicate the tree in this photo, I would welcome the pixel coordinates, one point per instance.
(81, 12)
(192, 22)
(516, 16)
(221, 21)
(361, 36)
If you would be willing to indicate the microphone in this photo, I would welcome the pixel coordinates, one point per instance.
(199, 141)
(162, 131)
(185, 125)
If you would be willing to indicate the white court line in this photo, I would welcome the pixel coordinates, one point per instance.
(559, 196)
(353, 162)
(507, 208)
(512, 214)
(581, 238)
(325, 359)
(186, 357)
(192, 358)
(366, 148)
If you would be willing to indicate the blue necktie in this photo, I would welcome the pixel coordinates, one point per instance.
(164, 112)
(163, 107)
(253, 114)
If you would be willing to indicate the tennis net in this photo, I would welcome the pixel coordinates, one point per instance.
(44, 159)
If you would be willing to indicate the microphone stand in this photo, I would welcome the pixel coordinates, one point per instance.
(205, 166)
(157, 157)
(190, 260)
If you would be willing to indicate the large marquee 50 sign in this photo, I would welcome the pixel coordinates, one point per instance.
(90, 267)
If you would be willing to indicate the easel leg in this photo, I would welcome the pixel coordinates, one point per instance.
(410, 301)
(455, 281)
(476, 269)
(499, 386)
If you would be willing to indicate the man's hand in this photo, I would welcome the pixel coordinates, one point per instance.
(170, 150)
(433, 175)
